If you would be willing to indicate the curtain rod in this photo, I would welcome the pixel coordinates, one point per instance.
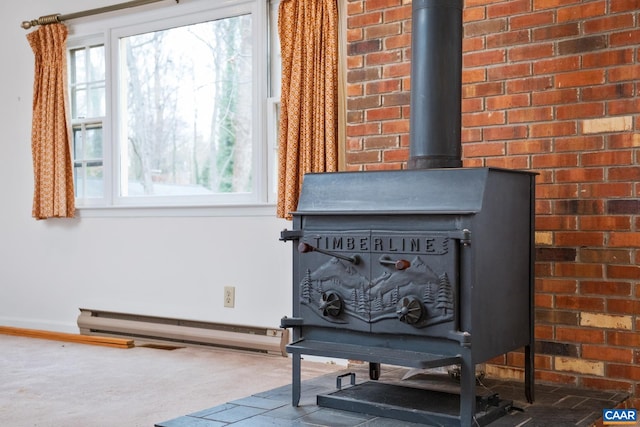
(52, 19)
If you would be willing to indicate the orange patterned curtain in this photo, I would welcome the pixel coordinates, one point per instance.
(308, 134)
(53, 194)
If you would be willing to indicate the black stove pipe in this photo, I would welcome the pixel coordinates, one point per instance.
(436, 84)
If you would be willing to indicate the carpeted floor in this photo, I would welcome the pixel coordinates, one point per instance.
(47, 383)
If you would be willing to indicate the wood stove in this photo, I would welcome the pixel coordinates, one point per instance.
(425, 267)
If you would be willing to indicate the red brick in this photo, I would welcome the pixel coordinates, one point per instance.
(623, 272)
(625, 38)
(527, 53)
(509, 8)
(607, 256)
(580, 78)
(505, 39)
(509, 71)
(530, 146)
(627, 372)
(576, 270)
(531, 20)
(505, 133)
(580, 111)
(381, 58)
(382, 86)
(386, 113)
(556, 222)
(552, 32)
(556, 191)
(483, 58)
(580, 175)
(549, 4)
(508, 101)
(625, 5)
(487, 26)
(554, 160)
(472, 105)
(610, 354)
(483, 119)
(579, 143)
(363, 157)
(583, 11)
(509, 162)
(608, 58)
(381, 142)
(593, 336)
(475, 75)
(624, 174)
(604, 287)
(471, 135)
(623, 306)
(543, 332)
(556, 286)
(399, 155)
(605, 158)
(396, 70)
(397, 42)
(474, 44)
(483, 149)
(631, 106)
(604, 92)
(397, 14)
(556, 65)
(606, 190)
(529, 84)
(482, 89)
(364, 129)
(624, 339)
(470, 14)
(608, 23)
(364, 20)
(579, 238)
(623, 140)
(552, 129)
(605, 223)
(395, 126)
(580, 207)
(555, 97)
(381, 4)
(539, 114)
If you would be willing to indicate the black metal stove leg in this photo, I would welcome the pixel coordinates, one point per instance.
(467, 392)
(529, 369)
(295, 384)
(374, 371)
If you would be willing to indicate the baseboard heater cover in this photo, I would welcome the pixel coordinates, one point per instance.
(188, 332)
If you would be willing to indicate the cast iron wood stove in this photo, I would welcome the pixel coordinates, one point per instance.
(426, 267)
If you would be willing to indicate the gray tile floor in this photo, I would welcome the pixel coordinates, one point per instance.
(554, 406)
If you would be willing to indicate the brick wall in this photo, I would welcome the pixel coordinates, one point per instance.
(550, 86)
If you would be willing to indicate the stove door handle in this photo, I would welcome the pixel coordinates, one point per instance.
(305, 248)
(400, 264)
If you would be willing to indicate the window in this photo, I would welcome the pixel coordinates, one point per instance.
(173, 110)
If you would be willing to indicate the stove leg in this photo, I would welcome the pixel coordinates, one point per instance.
(374, 371)
(467, 392)
(529, 372)
(296, 382)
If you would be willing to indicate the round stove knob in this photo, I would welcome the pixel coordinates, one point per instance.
(331, 304)
(410, 310)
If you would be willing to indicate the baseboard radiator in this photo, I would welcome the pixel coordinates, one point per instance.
(149, 329)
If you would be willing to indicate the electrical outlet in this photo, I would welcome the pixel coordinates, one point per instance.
(229, 296)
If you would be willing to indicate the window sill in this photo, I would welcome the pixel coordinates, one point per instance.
(244, 210)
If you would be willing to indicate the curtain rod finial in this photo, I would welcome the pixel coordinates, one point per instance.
(28, 24)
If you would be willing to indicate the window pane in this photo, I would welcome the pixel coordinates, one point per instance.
(77, 143)
(78, 61)
(93, 149)
(95, 182)
(96, 64)
(188, 119)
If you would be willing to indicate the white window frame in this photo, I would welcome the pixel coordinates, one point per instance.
(108, 31)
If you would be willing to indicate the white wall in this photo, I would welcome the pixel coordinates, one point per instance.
(160, 266)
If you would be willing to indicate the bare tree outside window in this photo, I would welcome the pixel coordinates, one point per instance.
(187, 120)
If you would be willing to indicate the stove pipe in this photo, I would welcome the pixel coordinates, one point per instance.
(436, 84)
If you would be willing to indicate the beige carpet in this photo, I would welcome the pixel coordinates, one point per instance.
(47, 383)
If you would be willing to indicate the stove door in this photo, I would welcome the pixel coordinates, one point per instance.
(334, 279)
(414, 286)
